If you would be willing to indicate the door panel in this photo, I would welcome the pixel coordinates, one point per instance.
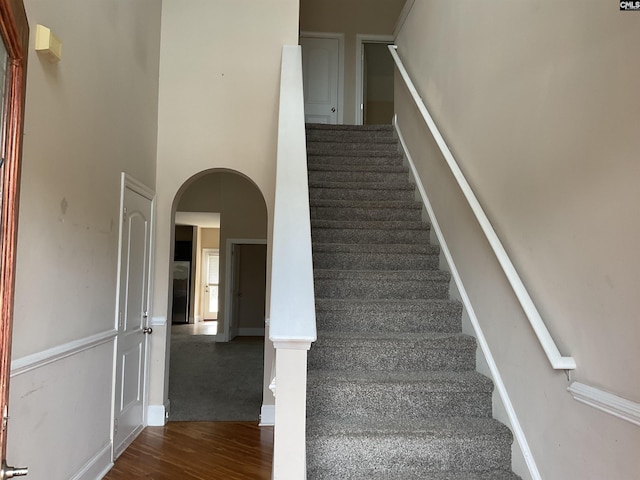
(252, 271)
(132, 319)
(320, 66)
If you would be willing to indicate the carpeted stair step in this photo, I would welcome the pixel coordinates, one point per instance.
(371, 210)
(385, 134)
(356, 159)
(369, 175)
(343, 448)
(359, 191)
(399, 474)
(388, 352)
(349, 132)
(375, 256)
(348, 127)
(401, 395)
(351, 137)
(360, 168)
(419, 316)
(398, 284)
(331, 147)
(360, 231)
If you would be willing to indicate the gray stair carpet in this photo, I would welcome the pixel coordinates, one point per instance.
(392, 389)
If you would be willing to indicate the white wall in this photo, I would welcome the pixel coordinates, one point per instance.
(88, 118)
(539, 103)
(219, 78)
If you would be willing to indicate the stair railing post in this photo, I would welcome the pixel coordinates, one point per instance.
(289, 443)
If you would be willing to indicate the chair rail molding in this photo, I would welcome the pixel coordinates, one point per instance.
(607, 402)
(54, 354)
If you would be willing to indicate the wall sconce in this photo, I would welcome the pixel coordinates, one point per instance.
(48, 44)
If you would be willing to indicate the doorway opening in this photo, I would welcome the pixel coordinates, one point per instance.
(374, 80)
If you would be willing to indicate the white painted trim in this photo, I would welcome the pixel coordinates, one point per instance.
(404, 13)
(157, 415)
(607, 402)
(556, 360)
(251, 332)
(225, 335)
(518, 433)
(340, 38)
(292, 345)
(158, 321)
(135, 185)
(360, 40)
(97, 466)
(267, 416)
(54, 354)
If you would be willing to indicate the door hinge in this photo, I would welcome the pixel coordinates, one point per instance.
(5, 417)
(115, 426)
(124, 214)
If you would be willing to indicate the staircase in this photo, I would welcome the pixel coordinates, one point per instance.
(392, 387)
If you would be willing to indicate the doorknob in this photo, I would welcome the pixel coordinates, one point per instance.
(147, 330)
(333, 109)
(10, 472)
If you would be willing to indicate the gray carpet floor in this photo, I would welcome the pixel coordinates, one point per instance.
(211, 381)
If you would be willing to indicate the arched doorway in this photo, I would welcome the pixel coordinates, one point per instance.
(216, 355)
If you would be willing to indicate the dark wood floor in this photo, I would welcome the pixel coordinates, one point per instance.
(198, 450)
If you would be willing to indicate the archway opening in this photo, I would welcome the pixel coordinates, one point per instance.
(219, 278)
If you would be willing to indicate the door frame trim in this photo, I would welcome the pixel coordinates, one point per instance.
(340, 38)
(228, 279)
(361, 39)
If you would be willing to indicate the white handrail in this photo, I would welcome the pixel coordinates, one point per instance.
(292, 323)
(557, 361)
(292, 311)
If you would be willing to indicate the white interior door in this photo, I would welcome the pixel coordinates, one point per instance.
(211, 280)
(321, 77)
(133, 298)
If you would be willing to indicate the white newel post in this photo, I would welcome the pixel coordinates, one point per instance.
(289, 443)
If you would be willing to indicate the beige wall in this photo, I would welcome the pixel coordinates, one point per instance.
(88, 118)
(351, 17)
(211, 236)
(219, 80)
(539, 103)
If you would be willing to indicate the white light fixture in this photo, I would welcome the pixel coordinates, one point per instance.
(48, 44)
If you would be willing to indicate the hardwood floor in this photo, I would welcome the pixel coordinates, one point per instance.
(198, 450)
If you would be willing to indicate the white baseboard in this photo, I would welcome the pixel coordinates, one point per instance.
(267, 416)
(157, 415)
(97, 466)
(251, 332)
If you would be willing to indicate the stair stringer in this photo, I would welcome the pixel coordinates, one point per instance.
(523, 462)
